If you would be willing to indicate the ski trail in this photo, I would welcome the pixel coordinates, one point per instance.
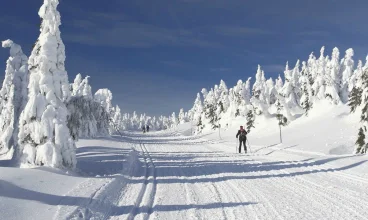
(322, 199)
(96, 198)
(144, 202)
(187, 178)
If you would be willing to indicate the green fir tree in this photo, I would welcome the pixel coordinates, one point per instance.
(355, 98)
(250, 120)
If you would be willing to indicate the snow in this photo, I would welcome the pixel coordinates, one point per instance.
(43, 133)
(173, 175)
(13, 97)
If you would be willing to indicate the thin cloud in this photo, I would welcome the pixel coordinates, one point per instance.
(135, 35)
(240, 31)
(314, 33)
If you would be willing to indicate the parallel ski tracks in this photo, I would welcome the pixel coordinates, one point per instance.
(143, 206)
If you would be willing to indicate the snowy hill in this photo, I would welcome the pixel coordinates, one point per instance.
(68, 154)
(171, 175)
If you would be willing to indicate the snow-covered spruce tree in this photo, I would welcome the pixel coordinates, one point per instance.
(362, 143)
(355, 87)
(258, 99)
(250, 120)
(117, 120)
(224, 102)
(104, 98)
(290, 91)
(355, 98)
(197, 109)
(75, 87)
(271, 92)
(333, 78)
(347, 66)
(13, 96)
(312, 72)
(282, 120)
(87, 118)
(181, 116)
(237, 99)
(43, 135)
(319, 74)
(210, 109)
(174, 120)
(247, 92)
(279, 84)
(306, 98)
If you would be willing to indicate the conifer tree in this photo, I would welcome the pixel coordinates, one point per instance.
(361, 143)
(282, 120)
(44, 136)
(13, 97)
(305, 101)
(250, 120)
(355, 98)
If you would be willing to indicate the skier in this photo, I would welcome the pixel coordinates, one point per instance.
(144, 129)
(242, 134)
(147, 128)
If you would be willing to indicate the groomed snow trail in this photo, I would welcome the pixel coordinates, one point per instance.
(168, 176)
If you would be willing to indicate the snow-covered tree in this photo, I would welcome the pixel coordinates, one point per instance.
(333, 78)
(86, 118)
(259, 97)
(76, 84)
(347, 65)
(306, 101)
(174, 121)
(104, 97)
(282, 120)
(210, 109)
(81, 87)
(197, 109)
(279, 84)
(247, 91)
(182, 118)
(271, 92)
(362, 143)
(117, 119)
(250, 120)
(13, 96)
(44, 136)
(290, 90)
(355, 87)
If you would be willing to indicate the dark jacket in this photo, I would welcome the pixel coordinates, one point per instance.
(243, 136)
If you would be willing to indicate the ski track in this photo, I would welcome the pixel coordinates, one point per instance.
(184, 179)
(144, 202)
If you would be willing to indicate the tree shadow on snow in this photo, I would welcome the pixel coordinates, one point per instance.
(192, 168)
(10, 190)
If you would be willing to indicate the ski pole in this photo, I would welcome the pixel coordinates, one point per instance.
(236, 146)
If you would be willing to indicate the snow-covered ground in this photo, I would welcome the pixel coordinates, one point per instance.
(172, 175)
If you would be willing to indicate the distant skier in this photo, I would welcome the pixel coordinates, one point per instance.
(242, 134)
(147, 128)
(144, 129)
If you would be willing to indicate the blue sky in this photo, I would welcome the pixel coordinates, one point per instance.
(156, 55)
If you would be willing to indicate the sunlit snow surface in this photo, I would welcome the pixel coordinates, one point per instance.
(172, 175)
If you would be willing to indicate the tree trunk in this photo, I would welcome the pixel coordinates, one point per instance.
(280, 135)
